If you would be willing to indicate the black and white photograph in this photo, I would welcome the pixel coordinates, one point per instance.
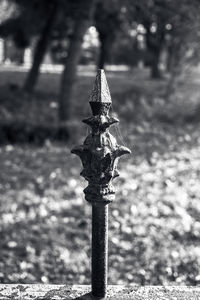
(100, 149)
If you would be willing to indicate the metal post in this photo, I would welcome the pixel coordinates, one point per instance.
(99, 155)
(99, 249)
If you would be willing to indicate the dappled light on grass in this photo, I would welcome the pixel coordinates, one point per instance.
(154, 222)
(41, 238)
(159, 235)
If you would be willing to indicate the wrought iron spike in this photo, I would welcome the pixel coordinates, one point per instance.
(99, 155)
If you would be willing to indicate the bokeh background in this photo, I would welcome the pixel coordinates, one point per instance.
(49, 53)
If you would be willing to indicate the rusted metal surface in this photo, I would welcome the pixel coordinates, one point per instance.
(67, 292)
(99, 155)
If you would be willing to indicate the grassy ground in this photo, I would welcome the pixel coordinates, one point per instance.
(154, 223)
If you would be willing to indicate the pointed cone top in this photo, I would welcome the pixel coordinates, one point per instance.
(100, 91)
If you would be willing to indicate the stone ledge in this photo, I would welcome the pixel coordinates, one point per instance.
(65, 292)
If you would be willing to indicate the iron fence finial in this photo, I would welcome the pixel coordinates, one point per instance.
(99, 155)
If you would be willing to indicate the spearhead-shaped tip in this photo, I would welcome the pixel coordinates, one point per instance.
(100, 91)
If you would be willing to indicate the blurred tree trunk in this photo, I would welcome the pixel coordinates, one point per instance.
(41, 48)
(155, 60)
(105, 49)
(108, 22)
(176, 68)
(5, 50)
(68, 79)
(155, 41)
(170, 58)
